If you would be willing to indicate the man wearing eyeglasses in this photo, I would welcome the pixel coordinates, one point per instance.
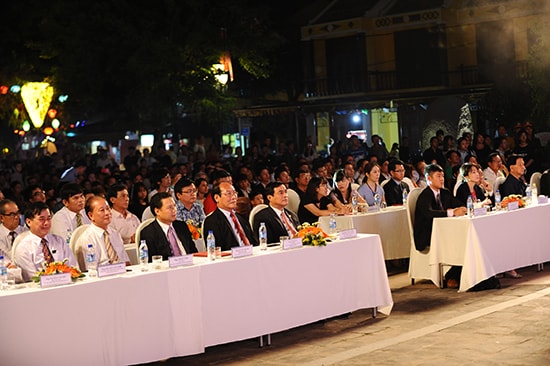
(34, 193)
(188, 207)
(9, 230)
(229, 228)
(39, 246)
(394, 188)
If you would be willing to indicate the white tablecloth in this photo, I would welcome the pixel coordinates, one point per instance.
(141, 317)
(491, 244)
(391, 224)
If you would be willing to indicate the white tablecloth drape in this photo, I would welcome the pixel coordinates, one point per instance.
(491, 244)
(390, 223)
(146, 316)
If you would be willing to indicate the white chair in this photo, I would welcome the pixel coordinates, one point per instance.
(254, 211)
(16, 242)
(75, 235)
(139, 228)
(498, 182)
(147, 214)
(132, 251)
(293, 201)
(384, 183)
(419, 262)
(535, 179)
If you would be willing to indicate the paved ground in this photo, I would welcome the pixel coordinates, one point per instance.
(427, 326)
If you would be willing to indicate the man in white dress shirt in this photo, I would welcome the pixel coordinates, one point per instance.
(124, 222)
(107, 243)
(72, 215)
(39, 245)
(10, 218)
(494, 169)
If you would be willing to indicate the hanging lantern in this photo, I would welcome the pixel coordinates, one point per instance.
(56, 123)
(52, 113)
(26, 126)
(37, 98)
(48, 131)
(4, 89)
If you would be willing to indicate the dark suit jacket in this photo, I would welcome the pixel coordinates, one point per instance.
(157, 241)
(223, 231)
(512, 185)
(463, 192)
(393, 192)
(273, 223)
(426, 210)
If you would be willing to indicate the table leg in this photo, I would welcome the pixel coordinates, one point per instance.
(374, 312)
(269, 339)
(261, 341)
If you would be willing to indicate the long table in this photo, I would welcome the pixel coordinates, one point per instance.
(390, 223)
(490, 244)
(146, 316)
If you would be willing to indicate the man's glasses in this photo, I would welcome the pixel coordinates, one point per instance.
(230, 193)
(189, 191)
(12, 214)
(37, 193)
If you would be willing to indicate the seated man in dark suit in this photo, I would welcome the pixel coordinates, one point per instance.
(393, 189)
(278, 220)
(545, 183)
(514, 183)
(435, 201)
(165, 235)
(229, 228)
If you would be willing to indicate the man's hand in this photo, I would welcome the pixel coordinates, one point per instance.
(459, 211)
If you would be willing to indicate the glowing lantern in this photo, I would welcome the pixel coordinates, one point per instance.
(52, 113)
(26, 126)
(48, 131)
(56, 123)
(15, 88)
(4, 89)
(37, 98)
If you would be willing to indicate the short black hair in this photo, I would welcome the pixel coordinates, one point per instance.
(70, 189)
(156, 201)
(512, 159)
(113, 192)
(182, 183)
(34, 210)
(432, 168)
(393, 163)
(270, 188)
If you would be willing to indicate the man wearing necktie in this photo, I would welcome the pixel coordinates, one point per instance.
(435, 201)
(39, 246)
(10, 218)
(72, 215)
(108, 245)
(165, 235)
(394, 187)
(278, 220)
(230, 229)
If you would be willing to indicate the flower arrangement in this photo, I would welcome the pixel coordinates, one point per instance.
(311, 234)
(57, 268)
(512, 198)
(195, 231)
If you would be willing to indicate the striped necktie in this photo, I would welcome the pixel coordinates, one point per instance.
(78, 219)
(239, 229)
(111, 253)
(48, 257)
(288, 225)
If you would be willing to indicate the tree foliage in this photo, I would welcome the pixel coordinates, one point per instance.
(539, 72)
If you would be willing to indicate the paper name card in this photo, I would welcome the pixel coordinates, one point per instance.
(543, 199)
(374, 208)
(111, 269)
(514, 205)
(292, 243)
(480, 211)
(179, 261)
(55, 280)
(347, 234)
(244, 251)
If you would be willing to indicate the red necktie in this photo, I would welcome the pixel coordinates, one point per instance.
(48, 257)
(288, 225)
(239, 228)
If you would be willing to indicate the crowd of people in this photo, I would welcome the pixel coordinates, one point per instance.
(198, 191)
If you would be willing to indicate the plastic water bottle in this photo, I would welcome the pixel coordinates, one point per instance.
(405, 196)
(144, 256)
(470, 206)
(498, 199)
(3, 274)
(262, 234)
(377, 200)
(528, 195)
(90, 261)
(69, 233)
(354, 202)
(211, 245)
(332, 224)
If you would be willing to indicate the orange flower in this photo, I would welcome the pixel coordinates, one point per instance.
(195, 233)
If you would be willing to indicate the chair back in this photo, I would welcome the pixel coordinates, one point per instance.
(535, 179)
(254, 211)
(147, 214)
(16, 242)
(140, 227)
(75, 235)
(411, 205)
(498, 182)
(293, 201)
(384, 183)
(132, 251)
